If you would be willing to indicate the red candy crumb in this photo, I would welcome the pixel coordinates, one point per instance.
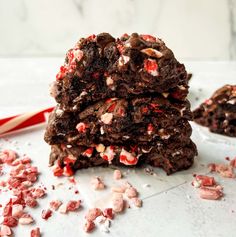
(205, 180)
(73, 205)
(35, 232)
(148, 38)
(93, 213)
(210, 193)
(127, 158)
(81, 127)
(57, 171)
(70, 159)
(67, 171)
(150, 129)
(10, 221)
(89, 226)
(88, 152)
(108, 213)
(46, 214)
(150, 65)
(55, 204)
(233, 163)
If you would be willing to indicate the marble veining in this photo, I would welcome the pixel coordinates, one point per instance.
(196, 29)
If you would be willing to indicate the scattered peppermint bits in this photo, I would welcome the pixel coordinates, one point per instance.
(208, 188)
(223, 170)
(97, 183)
(150, 66)
(117, 174)
(20, 180)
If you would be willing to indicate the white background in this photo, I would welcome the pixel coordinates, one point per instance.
(193, 29)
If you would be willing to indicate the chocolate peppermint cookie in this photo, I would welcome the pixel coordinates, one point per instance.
(219, 112)
(101, 66)
(172, 157)
(122, 102)
(117, 121)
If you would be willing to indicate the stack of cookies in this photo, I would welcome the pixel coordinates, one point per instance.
(122, 102)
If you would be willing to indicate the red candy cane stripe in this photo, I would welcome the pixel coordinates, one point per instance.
(21, 121)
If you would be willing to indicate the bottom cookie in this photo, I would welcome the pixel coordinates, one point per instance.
(172, 157)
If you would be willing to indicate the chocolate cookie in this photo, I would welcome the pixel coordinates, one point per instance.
(140, 120)
(171, 158)
(219, 112)
(101, 66)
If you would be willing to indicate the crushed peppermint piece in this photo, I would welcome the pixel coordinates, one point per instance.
(151, 66)
(123, 60)
(55, 204)
(89, 226)
(73, 205)
(46, 214)
(136, 202)
(210, 193)
(117, 174)
(120, 189)
(93, 213)
(97, 183)
(152, 52)
(35, 232)
(223, 170)
(5, 230)
(117, 203)
(107, 118)
(131, 192)
(127, 158)
(63, 209)
(17, 210)
(108, 154)
(108, 213)
(205, 180)
(81, 127)
(26, 219)
(100, 148)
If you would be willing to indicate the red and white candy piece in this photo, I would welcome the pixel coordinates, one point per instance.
(127, 158)
(151, 66)
(108, 154)
(81, 127)
(152, 52)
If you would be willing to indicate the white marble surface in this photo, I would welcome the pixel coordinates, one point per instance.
(171, 205)
(196, 29)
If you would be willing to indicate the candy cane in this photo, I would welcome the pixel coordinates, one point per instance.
(21, 121)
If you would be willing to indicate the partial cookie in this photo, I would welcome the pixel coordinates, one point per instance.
(219, 112)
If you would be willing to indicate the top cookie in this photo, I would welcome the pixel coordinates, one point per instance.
(101, 67)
